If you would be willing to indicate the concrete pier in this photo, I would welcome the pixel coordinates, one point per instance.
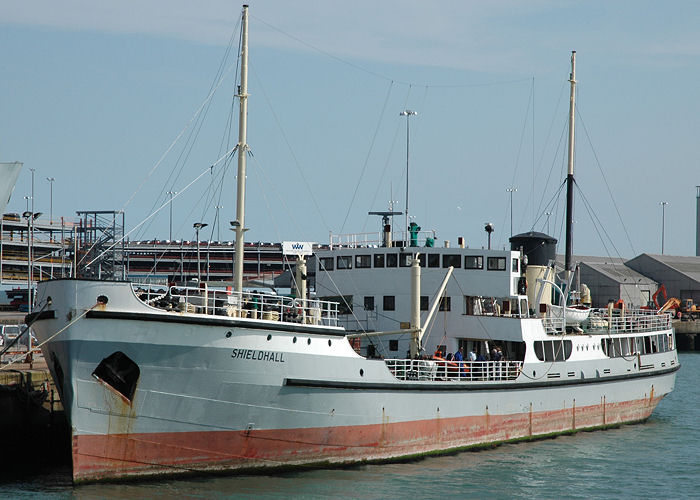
(35, 432)
(687, 335)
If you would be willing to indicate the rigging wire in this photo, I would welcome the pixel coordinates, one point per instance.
(517, 160)
(369, 152)
(376, 74)
(185, 152)
(297, 164)
(388, 159)
(607, 185)
(194, 117)
(154, 213)
(557, 150)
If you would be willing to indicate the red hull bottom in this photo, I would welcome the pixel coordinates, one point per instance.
(119, 456)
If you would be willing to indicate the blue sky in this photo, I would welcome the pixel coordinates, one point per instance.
(94, 94)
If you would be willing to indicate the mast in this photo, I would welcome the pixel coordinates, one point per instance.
(239, 223)
(568, 265)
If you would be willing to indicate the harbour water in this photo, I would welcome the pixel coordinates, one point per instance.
(657, 459)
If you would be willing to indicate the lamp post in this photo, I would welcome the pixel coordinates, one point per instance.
(218, 223)
(171, 193)
(50, 179)
(548, 214)
(32, 170)
(30, 216)
(408, 114)
(663, 223)
(197, 226)
(511, 190)
(488, 227)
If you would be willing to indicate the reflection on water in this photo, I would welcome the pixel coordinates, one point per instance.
(659, 458)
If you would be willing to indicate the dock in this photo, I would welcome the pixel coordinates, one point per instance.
(687, 335)
(35, 430)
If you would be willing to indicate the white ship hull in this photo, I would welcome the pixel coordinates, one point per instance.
(265, 397)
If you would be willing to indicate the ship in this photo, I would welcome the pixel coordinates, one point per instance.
(189, 379)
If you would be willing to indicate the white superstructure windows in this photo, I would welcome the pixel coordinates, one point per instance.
(389, 303)
(445, 304)
(326, 263)
(363, 261)
(424, 302)
(553, 350)
(473, 262)
(496, 264)
(629, 346)
(405, 259)
(453, 260)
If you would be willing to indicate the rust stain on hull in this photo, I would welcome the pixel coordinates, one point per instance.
(118, 456)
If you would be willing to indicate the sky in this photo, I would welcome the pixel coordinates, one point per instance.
(114, 100)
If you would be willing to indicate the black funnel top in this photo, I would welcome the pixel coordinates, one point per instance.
(539, 248)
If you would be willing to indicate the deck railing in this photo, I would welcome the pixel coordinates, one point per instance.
(376, 239)
(460, 371)
(604, 322)
(251, 305)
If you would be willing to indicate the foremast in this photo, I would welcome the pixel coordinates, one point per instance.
(568, 264)
(239, 223)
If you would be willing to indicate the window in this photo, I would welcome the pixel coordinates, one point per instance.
(445, 304)
(378, 260)
(424, 302)
(514, 267)
(473, 262)
(538, 350)
(494, 264)
(344, 262)
(434, 260)
(393, 345)
(362, 261)
(421, 259)
(405, 260)
(451, 260)
(369, 303)
(391, 260)
(553, 350)
(326, 263)
(389, 302)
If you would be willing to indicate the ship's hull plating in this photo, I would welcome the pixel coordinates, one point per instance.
(234, 396)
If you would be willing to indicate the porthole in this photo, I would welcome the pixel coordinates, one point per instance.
(362, 372)
(228, 335)
(329, 342)
(294, 340)
(269, 337)
(308, 341)
(534, 373)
